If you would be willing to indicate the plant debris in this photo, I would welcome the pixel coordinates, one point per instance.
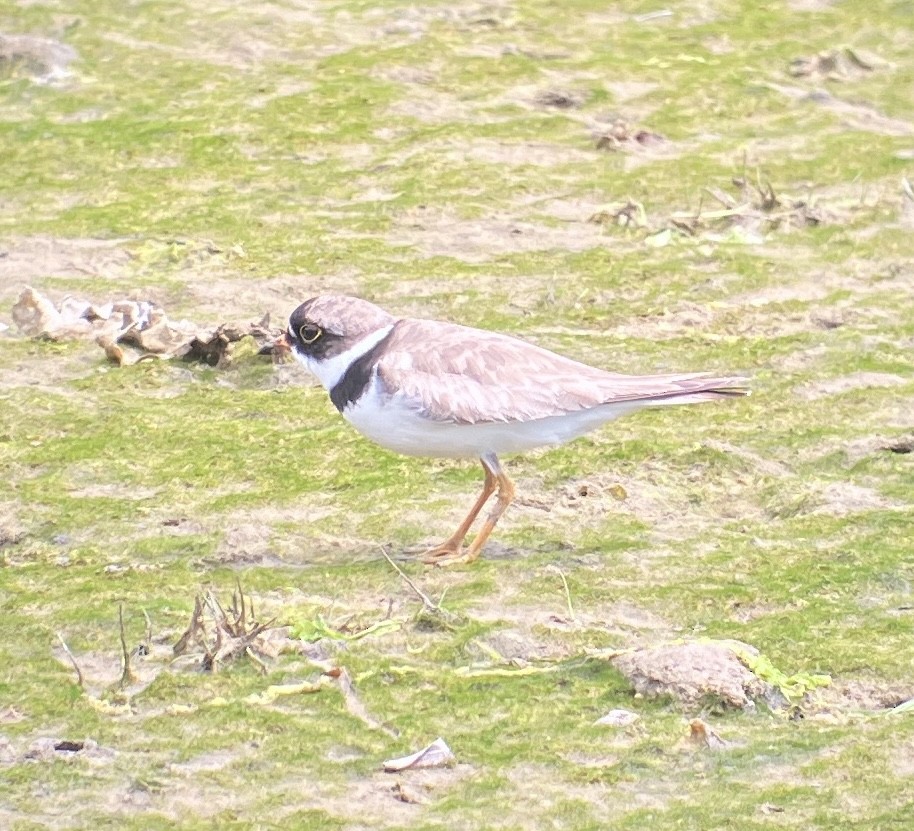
(316, 629)
(275, 691)
(627, 214)
(757, 207)
(620, 135)
(143, 328)
(225, 636)
(355, 706)
(402, 793)
(841, 64)
(702, 735)
(436, 755)
(559, 100)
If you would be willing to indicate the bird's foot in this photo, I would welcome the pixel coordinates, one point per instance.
(447, 554)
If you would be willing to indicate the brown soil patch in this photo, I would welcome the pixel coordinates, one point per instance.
(559, 92)
(505, 153)
(566, 208)
(101, 671)
(857, 116)
(541, 789)
(837, 498)
(849, 383)
(674, 506)
(845, 498)
(625, 621)
(382, 800)
(902, 759)
(878, 445)
(242, 298)
(432, 106)
(50, 376)
(29, 260)
(863, 694)
(626, 91)
(669, 324)
(515, 646)
(440, 234)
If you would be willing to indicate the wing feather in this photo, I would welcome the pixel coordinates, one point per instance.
(456, 374)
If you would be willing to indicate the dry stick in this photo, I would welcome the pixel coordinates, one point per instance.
(355, 705)
(241, 620)
(220, 618)
(257, 662)
(79, 674)
(906, 188)
(426, 600)
(196, 622)
(561, 574)
(127, 675)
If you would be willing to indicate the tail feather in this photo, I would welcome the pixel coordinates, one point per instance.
(658, 390)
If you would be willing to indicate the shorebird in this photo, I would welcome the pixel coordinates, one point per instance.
(430, 388)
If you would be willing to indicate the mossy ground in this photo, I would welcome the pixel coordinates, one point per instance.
(229, 159)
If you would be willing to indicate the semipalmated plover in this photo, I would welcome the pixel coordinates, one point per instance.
(429, 388)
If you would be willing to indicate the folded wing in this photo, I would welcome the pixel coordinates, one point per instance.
(459, 375)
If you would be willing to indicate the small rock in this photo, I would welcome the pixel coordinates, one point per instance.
(41, 59)
(691, 673)
(618, 718)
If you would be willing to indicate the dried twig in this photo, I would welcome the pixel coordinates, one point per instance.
(147, 641)
(257, 662)
(224, 634)
(355, 706)
(127, 676)
(906, 188)
(195, 625)
(561, 574)
(79, 674)
(426, 600)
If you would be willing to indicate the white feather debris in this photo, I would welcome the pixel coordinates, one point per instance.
(436, 755)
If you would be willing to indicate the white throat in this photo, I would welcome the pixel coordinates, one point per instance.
(330, 371)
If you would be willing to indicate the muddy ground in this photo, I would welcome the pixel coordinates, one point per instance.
(214, 613)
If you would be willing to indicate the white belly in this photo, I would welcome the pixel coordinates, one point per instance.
(392, 425)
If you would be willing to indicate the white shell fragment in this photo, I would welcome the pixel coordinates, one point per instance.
(139, 324)
(618, 718)
(436, 755)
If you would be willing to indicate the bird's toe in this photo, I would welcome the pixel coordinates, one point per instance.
(447, 553)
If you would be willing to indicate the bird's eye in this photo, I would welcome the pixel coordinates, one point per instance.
(309, 333)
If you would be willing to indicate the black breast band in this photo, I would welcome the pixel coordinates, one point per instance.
(355, 380)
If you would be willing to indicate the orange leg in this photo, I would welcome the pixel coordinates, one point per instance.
(451, 547)
(449, 552)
